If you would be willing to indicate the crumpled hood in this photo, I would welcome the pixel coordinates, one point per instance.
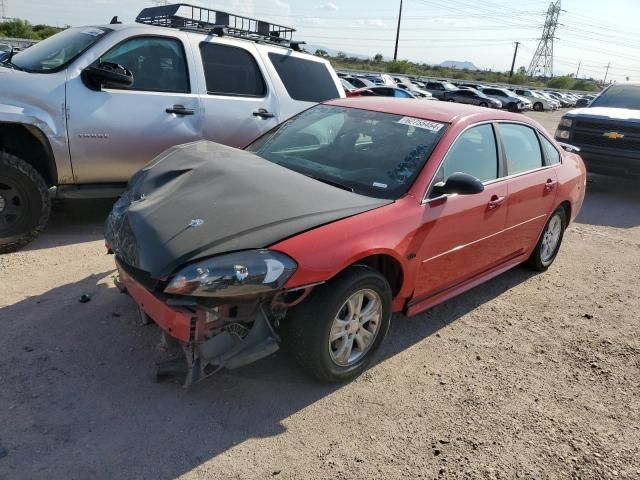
(203, 199)
(608, 113)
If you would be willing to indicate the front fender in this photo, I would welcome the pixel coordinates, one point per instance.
(38, 102)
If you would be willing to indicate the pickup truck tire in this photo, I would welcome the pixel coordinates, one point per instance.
(328, 313)
(25, 204)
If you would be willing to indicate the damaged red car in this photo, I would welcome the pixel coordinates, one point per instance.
(313, 235)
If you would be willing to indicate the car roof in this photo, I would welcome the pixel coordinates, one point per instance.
(447, 112)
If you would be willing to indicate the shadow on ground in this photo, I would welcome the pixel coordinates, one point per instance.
(611, 202)
(82, 373)
(72, 222)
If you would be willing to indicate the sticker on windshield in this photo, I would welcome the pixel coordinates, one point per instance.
(380, 185)
(419, 123)
(94, 32)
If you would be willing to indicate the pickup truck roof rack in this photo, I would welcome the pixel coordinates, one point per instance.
(188, 17)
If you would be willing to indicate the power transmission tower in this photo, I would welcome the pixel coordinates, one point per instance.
(542, 61)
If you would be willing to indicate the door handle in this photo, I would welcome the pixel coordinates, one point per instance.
(180, 110)
(263, 113)
(495, 202)
(549, 185)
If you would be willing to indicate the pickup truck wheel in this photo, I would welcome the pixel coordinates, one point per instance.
(24, 203)
(334, 333)
(549, 243)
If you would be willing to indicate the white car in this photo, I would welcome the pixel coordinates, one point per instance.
(538, 102)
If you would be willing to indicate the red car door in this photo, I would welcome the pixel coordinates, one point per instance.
(463, 233)
(531, 186)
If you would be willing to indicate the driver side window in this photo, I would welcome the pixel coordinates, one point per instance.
(474, 152)
(158, 64)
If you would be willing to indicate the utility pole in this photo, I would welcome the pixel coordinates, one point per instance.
(395, 52)
(578, 71)
(543, 58)
(3, 9)
(606, 73)
(513, 62)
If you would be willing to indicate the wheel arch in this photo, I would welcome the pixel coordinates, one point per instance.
(389, 266)
(566, 205)
(31, 145)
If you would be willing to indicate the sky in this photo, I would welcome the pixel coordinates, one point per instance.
(592, 32)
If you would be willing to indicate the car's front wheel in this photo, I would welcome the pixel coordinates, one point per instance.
(484, 104)
(549, 243)
(335, 332)
(538, 107)
(24, 203)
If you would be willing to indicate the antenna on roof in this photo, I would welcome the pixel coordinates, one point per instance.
(215, 22)
(115, 21)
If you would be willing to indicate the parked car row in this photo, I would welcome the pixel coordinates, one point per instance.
(514, 99)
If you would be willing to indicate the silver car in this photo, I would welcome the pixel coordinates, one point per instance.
(471, 97)
(86, 108)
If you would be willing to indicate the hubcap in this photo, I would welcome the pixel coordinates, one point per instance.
(550, 239)
(10, 205)
(355, 327)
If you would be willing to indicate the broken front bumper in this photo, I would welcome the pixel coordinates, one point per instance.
(178, 322)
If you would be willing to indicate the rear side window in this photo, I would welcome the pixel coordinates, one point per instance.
(521, 146)
(158, 64)
(475, 153)
(552, 154)
(231, 71)
(304, 80)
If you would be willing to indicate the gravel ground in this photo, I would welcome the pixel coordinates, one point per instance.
(526, 376)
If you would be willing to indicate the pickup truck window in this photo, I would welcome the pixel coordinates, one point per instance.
(158, 64)
(305, 80)
(57, 51)
(618, 97)
(231, 71)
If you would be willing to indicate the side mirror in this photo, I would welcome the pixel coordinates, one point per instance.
(460, 183)
(106, 74)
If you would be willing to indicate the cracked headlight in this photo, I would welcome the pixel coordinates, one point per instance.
(241, 273)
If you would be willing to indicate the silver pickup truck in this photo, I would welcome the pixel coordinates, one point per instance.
(83, 110)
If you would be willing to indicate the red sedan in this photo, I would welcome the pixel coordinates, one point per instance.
(314, 234)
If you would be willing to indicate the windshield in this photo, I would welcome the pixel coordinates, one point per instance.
(371, 153)
(619, 96)
(58, 51)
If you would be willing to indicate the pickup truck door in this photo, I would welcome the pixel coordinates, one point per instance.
(237, 98)
(116, 131)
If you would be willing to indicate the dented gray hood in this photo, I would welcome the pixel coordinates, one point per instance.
(203, 199)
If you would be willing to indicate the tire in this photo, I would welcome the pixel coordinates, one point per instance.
(538, 107)
(512, 107)
(484, 104)
(308, 326)
(541, 258)
(25, 204)
(450, 100)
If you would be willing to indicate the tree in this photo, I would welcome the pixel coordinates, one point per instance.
(565, 82)
(378, 58)
(22, 29)
(341, 56)
(398, 66)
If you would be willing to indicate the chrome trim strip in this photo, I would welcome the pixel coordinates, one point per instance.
(460, 247)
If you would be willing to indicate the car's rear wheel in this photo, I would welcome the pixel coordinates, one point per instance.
(549, 243)
(24, 203)
(538, 107)
(335, 332)
(484, 104)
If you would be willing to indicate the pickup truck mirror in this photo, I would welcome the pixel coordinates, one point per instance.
(106, 74)
(460, 183)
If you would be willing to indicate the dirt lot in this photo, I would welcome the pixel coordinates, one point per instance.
(527, 376)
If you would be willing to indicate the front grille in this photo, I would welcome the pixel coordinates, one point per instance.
(602, 127)
(599, 140)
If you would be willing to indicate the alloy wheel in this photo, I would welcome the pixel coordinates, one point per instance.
(551, 239)
(355, 327)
